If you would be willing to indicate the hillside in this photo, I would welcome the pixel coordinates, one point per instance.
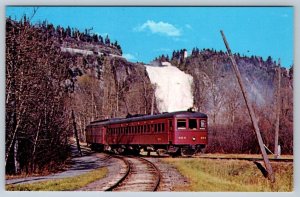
(51, 72)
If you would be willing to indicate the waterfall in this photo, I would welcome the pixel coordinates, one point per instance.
(173, 87)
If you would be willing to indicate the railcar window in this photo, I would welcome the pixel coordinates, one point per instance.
(163, 127)
(181, 124)
(145, 128)
(158, 127)
(148, 128)
(193, 124)
(170, 125)
(202, 124)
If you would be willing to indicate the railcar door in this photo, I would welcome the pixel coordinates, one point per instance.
(170, 129)
(104, 135)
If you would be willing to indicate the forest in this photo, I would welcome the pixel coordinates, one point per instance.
(48, 90)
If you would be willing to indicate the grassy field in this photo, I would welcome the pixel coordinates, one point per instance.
(67, 184)
(231, 175)
(254, 156)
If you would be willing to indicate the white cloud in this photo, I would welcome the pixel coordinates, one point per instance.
(160, 28)
(129, 56)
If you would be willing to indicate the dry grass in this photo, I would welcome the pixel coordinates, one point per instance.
(254, 156)
(67, 184)
(231, 175)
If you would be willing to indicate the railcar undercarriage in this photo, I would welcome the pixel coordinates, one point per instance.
(172, 150)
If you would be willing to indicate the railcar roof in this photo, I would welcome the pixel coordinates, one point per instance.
(178, 114)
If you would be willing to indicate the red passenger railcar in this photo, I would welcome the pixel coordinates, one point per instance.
(175, 132)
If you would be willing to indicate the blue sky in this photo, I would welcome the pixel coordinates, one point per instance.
(146, 32)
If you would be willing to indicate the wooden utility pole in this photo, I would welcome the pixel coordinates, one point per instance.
(278, 100)
(254, 121)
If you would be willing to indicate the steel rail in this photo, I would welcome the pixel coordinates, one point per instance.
(128, 170)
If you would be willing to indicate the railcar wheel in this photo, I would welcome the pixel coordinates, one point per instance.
(136, 151)
(97, 147)
(200, 150)
(177, 153)
(188, 151)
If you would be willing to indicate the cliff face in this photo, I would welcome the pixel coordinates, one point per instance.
(106, 86)
(214, 79)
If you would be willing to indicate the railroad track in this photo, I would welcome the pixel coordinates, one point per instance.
(140, 175)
